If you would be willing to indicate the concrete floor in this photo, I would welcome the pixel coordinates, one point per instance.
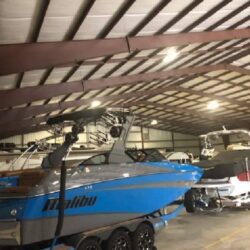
(227, 230)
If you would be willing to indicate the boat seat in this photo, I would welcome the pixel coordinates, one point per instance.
(11, 173)
(31, 178)
(20, 190)
(27, 179)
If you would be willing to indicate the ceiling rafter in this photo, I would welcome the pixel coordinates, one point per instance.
(167, 26)
(24, 130)
(192, 128)
(125, 6)
(159, 56)
(30, 94)
(188, 126)
(185, 111)
(75, 25)
(131, 33)
(210, 28)
(194, 24)
(192, 77)
(189, 28)
(35, 30)
(151, 102)
(35, 110)
(16, 56)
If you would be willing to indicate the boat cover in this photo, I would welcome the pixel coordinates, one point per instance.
(226, 164)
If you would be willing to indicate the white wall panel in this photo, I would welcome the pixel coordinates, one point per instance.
(153, 138)
(159, 134)
(15, 139)
(134, 136)
(188, 143)
(183, 136)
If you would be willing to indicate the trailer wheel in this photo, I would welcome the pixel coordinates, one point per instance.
(143, 237)
(90, 244)
(189, 201)
(119, 240)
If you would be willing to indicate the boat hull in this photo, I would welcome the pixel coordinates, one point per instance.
(92, 206)
(90, 202)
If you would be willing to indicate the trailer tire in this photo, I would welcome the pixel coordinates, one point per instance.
(189, 201)
(119, 239)
(90, 243)
(143, 237)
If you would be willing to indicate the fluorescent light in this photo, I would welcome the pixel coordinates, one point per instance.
(213, 105)
(170, 56)
(154, 122)
(95, 104)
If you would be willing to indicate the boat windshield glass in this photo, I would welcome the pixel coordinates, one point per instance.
(145, 155)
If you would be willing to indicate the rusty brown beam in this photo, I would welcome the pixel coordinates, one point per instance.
(24, 130)
(17, 58)
(150, 93)
(11, 126)
(240, 70)
(212, 96)
(10, 116)
(22, 123)
(206, 116)
(20, 113)
(156, 57)
(15, 97)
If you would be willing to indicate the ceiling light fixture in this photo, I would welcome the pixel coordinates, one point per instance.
(95, 104)
(213, 105)
(154, 122)
(170, 56)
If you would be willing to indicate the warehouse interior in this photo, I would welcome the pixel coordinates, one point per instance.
(145, 84)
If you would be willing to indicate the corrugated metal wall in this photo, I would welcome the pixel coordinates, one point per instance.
(138, 138)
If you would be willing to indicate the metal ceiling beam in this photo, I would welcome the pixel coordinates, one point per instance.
(240, 70)
(24, 130)
(213, 26)
(194, 113)
(190, 126)
(189, 28)
(22, 124)
(15, 97)
(10, 116)
(114, 19)
(36, 24)
(212, 96)
(72, 30)
(159, 56)
(30, 56)
(10, 126)
(18, 114)
(157, 91)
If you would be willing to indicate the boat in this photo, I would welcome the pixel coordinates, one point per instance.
(41, 204)
(226, 178)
